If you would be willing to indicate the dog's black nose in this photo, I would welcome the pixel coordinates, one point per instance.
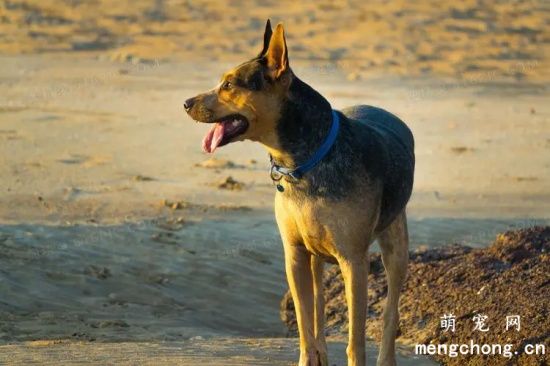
(188, 104)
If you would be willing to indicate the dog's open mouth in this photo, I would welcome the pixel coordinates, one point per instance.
(224, 131)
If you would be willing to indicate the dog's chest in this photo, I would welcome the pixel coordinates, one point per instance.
(310, 221)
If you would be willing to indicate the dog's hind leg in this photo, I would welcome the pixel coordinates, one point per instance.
(317, 266)
(394, 242)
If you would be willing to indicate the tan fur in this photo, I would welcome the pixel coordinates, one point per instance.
(346, 237)
(346, 234)
(261, 108)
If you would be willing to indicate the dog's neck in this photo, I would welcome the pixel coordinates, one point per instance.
(304, 124)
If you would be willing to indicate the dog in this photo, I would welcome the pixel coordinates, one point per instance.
(343, 180)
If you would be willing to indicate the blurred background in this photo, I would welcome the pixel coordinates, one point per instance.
(504, 40)
(115, 226)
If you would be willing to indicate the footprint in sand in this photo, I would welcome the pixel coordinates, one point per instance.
(214, 163)
(101, 273)
(116, 323)
(165, 238)
(525, 179)
(230, 184)
(47, 118)
(74, 159)
(219, 164)
(142, 178)
(85, 160)
(10, 135)
(461, 149)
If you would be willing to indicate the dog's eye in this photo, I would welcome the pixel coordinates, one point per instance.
(227, 85)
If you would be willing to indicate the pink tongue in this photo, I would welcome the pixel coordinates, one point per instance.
(213, 138)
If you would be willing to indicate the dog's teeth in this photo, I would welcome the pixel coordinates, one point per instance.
(235, 122)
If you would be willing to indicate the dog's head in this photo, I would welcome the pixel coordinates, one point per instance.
(247, 102)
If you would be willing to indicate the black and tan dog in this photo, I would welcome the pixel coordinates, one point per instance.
(343, 180)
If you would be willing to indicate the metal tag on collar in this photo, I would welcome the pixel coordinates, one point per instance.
(275, 174)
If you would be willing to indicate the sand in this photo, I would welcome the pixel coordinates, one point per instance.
(115, 227)
(214, 352)
(468, 40)
(87, 139)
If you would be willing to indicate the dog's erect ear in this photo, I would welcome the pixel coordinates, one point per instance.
(277, 53)
(267, 37)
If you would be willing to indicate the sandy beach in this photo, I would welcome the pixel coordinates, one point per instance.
(223, 351)
(121, 242)
(91, 139)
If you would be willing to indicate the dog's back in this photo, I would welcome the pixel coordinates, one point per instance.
(397, 156)
(384, 122)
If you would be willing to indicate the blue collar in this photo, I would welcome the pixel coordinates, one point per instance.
(277, 171)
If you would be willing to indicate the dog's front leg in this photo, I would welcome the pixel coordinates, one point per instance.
(355, 272)
(300, 281)
(317, 266)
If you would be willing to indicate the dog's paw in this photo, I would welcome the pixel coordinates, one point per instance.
(313, 358)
